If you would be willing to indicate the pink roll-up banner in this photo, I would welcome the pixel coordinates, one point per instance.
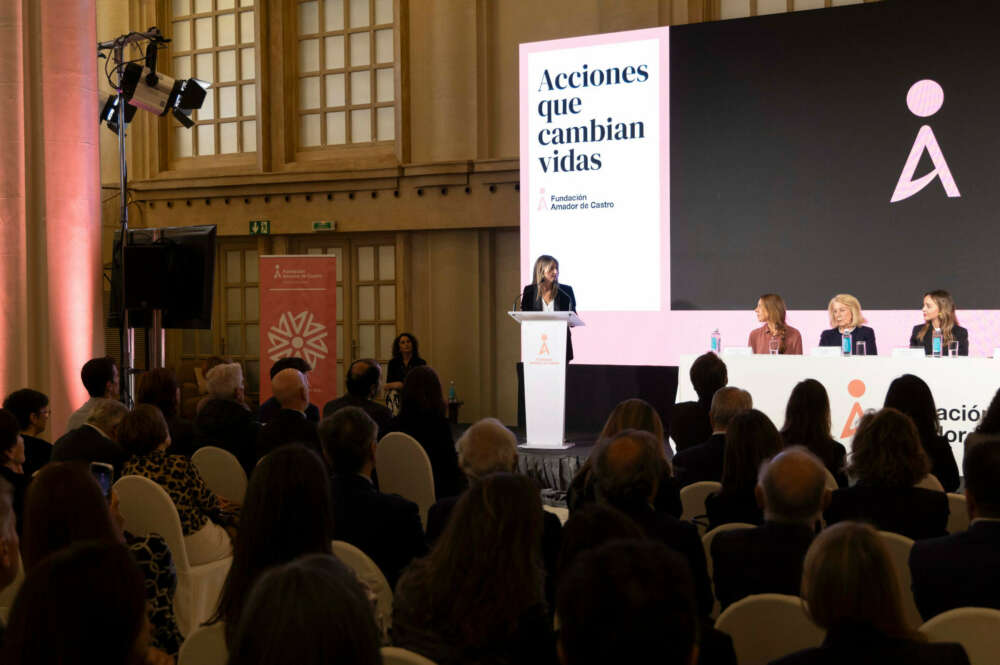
(298, 318)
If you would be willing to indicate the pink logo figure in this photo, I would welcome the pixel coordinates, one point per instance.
(856, 388)
(544, 351)
(542, 203)
(924, 100)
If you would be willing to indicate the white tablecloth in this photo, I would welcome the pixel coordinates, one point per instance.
(962, 387)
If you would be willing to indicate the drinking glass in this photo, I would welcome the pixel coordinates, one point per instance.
(953, 349)
(773, 346)
(860, 349)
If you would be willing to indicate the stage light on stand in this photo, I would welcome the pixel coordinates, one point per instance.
(159, 94)
(109, 114)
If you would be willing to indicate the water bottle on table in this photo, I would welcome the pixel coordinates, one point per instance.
(845, 344)
(716, 342)
(936, 343)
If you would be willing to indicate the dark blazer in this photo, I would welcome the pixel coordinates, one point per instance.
(958, 332)
(434, 434)
(183, 436)
(957, 570)
(37, 453)
(378, 412)
(227, 424)
(725, 507)
(565, 302)
(397, 371)
(863, 645)
(943, 464)
(269, 409)
(911, 511)
(702, 462)
(288, 426)
(832, 337)
(88, 445)
(767, 559)
(386, 527)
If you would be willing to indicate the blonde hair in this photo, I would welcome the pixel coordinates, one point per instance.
(851, 303)
(542, 264)
(775, 308)
(946, 315)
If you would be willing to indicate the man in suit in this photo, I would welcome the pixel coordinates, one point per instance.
(364, 377)
(225, 420)
(960, 570)
(791, 490)
(269, 409)
(626, 475)
(100, 378)
(704, 461)
(386, 527)
(290, 424)
(95, 440)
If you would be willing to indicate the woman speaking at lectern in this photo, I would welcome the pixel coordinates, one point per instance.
(546, 294)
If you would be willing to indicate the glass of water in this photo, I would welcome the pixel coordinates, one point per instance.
(953, 349)
(773, 346)
(860, 349)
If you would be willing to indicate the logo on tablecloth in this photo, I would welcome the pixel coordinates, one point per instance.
(856, 388)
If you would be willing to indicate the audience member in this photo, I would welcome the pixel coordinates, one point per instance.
(100, 378)
(203, 515)
(31, 408)
(911, 395)
(689, 425)
(362, 385)
(708, 374)
(65, 505)
(270, 408)
(286, 514)
(704, 461)
(807, 423)
(386, 527)
(225, 421)
(626, 473)
(290, 424)
(11, 461)
(97, 439)
(624, 602)
(478, 596)
(960, 570)
(751, 439)
(590, 527)
(988, 429)
(311, 611)
(82, 605)
(10, 549)
(629, 414)
(888, 462)
(768, 559)
(405, 356)
(851, 590)
(159, 387)
(422, 416)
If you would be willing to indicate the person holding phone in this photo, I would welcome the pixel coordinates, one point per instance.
(546, 294)
(939, 315)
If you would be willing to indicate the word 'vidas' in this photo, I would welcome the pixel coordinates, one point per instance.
(571, 161)
(924, 99)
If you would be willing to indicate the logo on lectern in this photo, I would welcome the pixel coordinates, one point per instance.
(544, 350)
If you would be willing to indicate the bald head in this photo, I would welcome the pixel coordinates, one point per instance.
(363, 378)
(290, 389)
(727, 403)
(628, 468)
(792, 487)
(487, 447)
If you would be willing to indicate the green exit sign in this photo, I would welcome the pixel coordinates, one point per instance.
(260, 227)
(324, 226)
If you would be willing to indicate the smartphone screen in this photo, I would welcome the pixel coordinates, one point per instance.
(103, 473)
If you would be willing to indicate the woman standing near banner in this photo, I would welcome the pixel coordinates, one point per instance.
(546, 294)
(775, 336)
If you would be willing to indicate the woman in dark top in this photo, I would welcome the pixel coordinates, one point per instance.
(31, 408)
(546, 294)
(478, 597)
(850, 588)
(888, 462)
(422, 416)
(807, 423)
(939, 314)
(12, 461)
(405, 356)
(846, 317)
(911, 395)
(159, 387)
(750, 439)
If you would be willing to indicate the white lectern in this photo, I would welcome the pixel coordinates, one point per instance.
(543, 352)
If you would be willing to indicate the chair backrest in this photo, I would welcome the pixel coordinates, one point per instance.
(222, 472)
(768, 626)
(899, 551)
(958, 513)
(369, 573)
(975, 628)
(403, 468)
(206, 645)
(706, 542)
(693, 498)
(831, 482)
(559, 511)
(147, 508)
(397, 656)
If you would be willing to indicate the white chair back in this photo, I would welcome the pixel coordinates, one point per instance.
(693, 498)
(831, 481)
(768, 626)
(975, 628)
(958, 513)
(403, 468)
(706, 542)
(559, 511)
(899, 551)
(147, 508)
(397, 656)
(222, 472)
(205, 646)
(369, 573)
